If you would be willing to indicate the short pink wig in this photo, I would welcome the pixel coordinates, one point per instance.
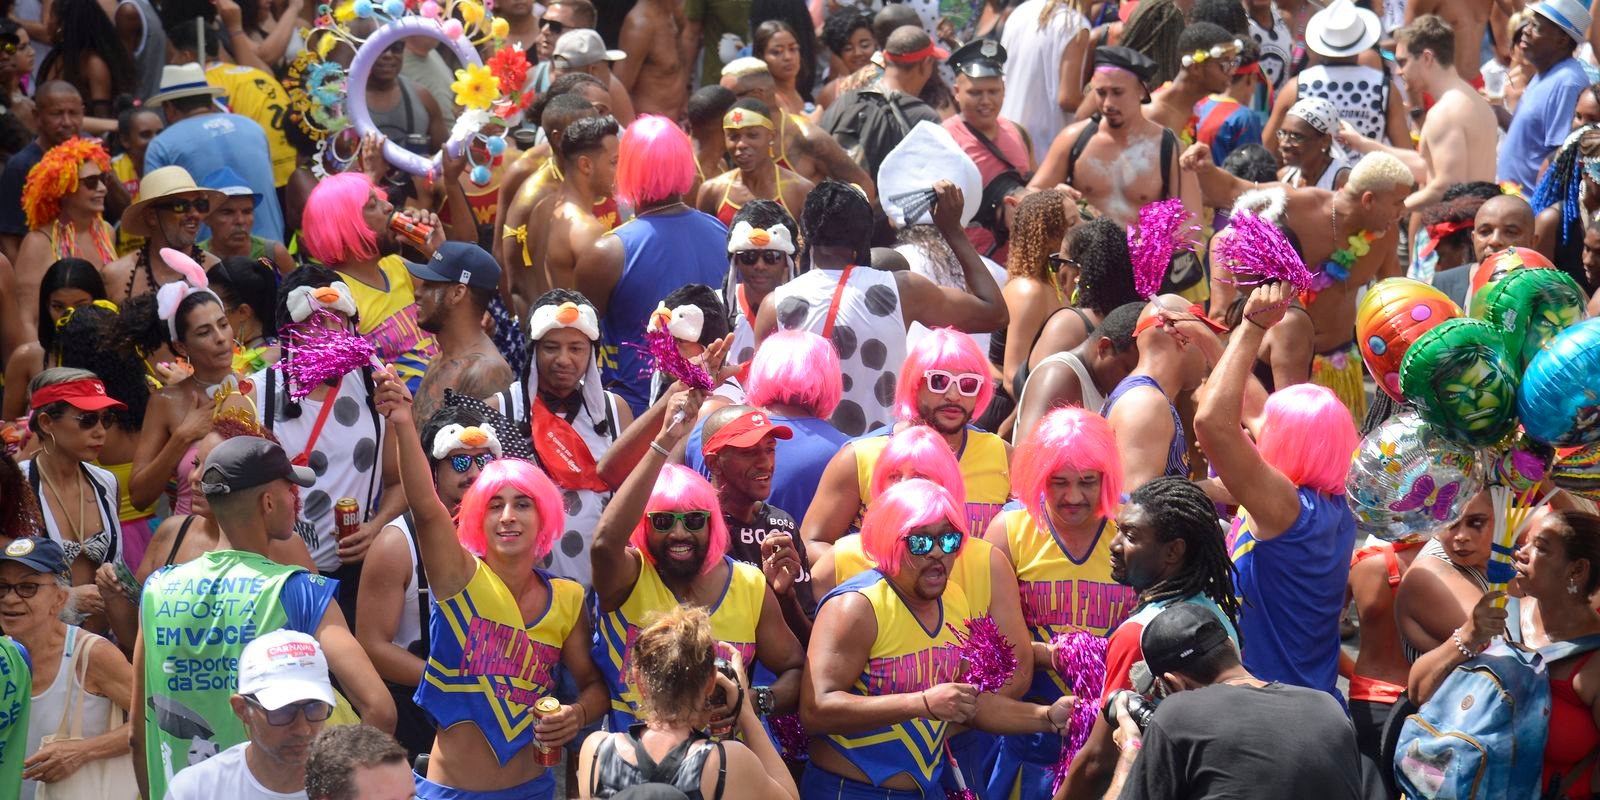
(655, 160)
(333, 226)
(1067, 438)
(796, 368)
(1308, 436)
(941, 348)
(679, 488)
(525, 478)
(927, 454)
(904, 507)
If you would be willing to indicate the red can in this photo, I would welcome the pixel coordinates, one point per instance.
(414, 231)
(346, 517)
(547, 756)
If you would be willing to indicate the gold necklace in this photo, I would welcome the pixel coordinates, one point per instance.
(77, 532)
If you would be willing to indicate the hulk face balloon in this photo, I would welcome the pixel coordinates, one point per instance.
(1530, 306)
(1461, 381)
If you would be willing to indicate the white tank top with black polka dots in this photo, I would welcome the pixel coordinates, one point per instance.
(869, 333)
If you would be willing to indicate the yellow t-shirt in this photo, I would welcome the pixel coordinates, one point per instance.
(122, 169)
(389, 320)
(253, 93)
(985, 471)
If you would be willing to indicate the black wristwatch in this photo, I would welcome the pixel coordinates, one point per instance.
(766, 703)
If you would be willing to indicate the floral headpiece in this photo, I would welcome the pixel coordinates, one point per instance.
(1217, 51)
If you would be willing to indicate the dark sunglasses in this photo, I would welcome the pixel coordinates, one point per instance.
(693, 521)
(921, 544)
(25, 590)
(556, 26)
(968, 384)
(89, 420)
(462, 463)
(92, 182)
(8, 47)
(315, 711)
(201, 204)
(1057, 261)
(748, 258)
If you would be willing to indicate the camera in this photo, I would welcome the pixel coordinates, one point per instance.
(719, 695)
(1140, 709)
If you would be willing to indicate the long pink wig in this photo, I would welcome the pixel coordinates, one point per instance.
(679, 488)
(1308, 436)
(333, 226)
(796, 368)
(927, 454)
(904, 507)
(941, 348)
(655, 160)
(1067, 438)
(525, 478)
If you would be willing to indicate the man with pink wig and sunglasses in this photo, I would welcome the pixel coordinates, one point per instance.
(883, 680)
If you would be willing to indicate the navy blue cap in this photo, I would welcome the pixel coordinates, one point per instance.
(459, 262)
(37, 553)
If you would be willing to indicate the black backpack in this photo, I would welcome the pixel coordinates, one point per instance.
(871, 122)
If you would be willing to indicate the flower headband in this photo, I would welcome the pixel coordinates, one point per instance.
(472, 437)
(171, 295)
(744, 118)
(684, 322)
(580, 318)
(1217, 51)
(744, 237)
(303, 301)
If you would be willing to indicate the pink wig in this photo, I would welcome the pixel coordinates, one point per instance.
(654, 161)
(1067, 438)
(333, 226)
(679, 488)
(941, 348)
(927, 454)
(902, 508)
(1308, 436)
(525, 478)
(796, 368)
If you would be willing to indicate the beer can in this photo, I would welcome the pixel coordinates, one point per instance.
(414, 231)
(547, 756)
(346, 517)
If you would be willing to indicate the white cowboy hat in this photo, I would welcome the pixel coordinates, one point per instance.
(1342, 29)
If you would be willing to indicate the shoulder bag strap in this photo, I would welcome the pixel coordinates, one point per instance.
(1079, 145)
(833, 306)
(424, 597)
(991, 147)
(269, 398)
(316, 429)
(80, 669)
(1559, 784)
(1169, 146)
(594, 767)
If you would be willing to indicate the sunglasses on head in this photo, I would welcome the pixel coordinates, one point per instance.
(693, 521)
(555, 26)
(92, 182)
(462, 463)
(968, 384)
(921, 544)
(749, 258)
(181, 206)
(315, 711)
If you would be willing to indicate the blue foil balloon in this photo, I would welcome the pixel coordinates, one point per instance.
(1559, 399)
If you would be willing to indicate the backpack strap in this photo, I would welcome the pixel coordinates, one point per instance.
(424, 598)
(1079, 145)
(1556, 651)
(1169, 148)
(722, 770)
(1559, 783)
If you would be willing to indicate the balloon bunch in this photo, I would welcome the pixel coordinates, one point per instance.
(1488, 396)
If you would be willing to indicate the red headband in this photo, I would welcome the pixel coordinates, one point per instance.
(912, 57)
(1161, 317)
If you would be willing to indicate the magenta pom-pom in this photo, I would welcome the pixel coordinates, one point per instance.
(793, 741)
(316, 354)
(1256, 251)
(960, 794)
(1081, 660)
(661, 351)
(990, 659)
(1152, 242)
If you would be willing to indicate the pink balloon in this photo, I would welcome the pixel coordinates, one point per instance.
(452, 28)
(430, 9)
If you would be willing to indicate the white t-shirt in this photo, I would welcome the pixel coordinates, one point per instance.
(223, 775)
(1033, 69)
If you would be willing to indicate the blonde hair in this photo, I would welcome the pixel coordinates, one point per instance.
(670, 661)
(745, 67)
(1379, 172)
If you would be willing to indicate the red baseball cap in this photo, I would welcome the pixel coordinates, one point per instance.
(746, 431)
(86, 394)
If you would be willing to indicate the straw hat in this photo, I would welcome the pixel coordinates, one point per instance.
(164, 184)
(1342, 29)
(182, 80)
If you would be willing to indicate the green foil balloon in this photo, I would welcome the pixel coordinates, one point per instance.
(1530, 306)
(1462, 382)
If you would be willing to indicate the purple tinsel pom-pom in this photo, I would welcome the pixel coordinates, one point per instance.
(661, 351)
(1256, 251)
(960, 794)
(1152, 242)
(316, 354)
(1081, 658)
(793, 741)
(990, 659)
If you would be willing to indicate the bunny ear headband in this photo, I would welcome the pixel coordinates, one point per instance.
(745, 237)
(566, 315)
(456, 437)
(684, 322)
(303, 301)
(171, 295)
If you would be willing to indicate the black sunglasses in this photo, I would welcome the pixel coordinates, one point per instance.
(1057, 261)
(693, 521)
(92, 182)
(556, 26)
(90, 419)
(921, 544)
(201, 204)
(315, 711)
(462, 463)
(748, 258)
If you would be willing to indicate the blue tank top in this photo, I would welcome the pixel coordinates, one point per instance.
(661, 252)
(1178, 450)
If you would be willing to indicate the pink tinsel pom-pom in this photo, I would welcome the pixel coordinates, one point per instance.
(960, 794)
(1152, 242)
(1256, 251)
(1081, 659)
(315, 354)
(990, 659)
(793, 741)
(661, 350)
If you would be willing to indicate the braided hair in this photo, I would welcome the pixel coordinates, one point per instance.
(1180, 509)
(1563, 181)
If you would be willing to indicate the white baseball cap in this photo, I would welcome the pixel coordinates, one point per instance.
(284, 667)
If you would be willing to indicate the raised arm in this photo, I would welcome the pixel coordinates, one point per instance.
(979, 308)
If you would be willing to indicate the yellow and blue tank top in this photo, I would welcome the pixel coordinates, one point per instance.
(985, 470)
(389, 321)
(905, 658)
(487, 665)
(733, 623)
(970, 570)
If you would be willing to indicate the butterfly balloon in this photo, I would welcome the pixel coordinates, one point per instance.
(1407, 478)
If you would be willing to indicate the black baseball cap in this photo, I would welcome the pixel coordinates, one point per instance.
(37, 553)
(979, 58)
(245, 462)
(1180, 635)
(459, 262)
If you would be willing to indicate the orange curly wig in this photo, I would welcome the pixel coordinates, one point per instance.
(56, 176)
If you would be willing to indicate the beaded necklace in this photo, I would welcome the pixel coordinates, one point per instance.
(1337, 268)
(142, 261)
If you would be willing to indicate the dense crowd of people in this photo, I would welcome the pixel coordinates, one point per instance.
(979, 399)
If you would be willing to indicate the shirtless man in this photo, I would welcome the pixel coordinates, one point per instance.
(1459, 134)
(653, 73)
(588, 175)
(706, 108)
(1112, 167)
(1365, 210)
(749, 134)
(527, 218)
(453, 289)
(524, 28)
(801, 146)
(1465, 20)
(1172, 106)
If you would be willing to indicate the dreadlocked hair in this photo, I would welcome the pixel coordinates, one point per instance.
(19, 515)
(87, 342)
(1563, 181)
(1180, 509)
(1154, 31)
(1036, 233)
(1105, 278)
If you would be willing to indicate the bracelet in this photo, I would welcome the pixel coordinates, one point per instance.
(1252, 321)
(1465, 651)
(929, 708)
(656, 446)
